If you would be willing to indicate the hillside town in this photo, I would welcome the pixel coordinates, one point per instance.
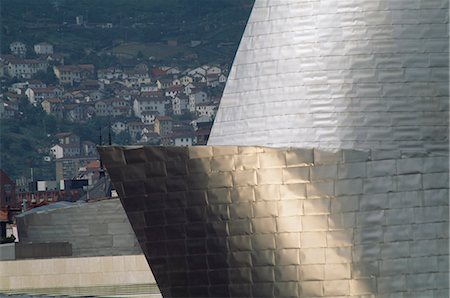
(142, 104)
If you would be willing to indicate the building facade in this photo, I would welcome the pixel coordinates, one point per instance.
(25, 68)
(18, 48)
(332, 180)
(7, 190)
(43, 48)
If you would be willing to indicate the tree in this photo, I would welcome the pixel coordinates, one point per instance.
(47, 77)
(139, 55)
(122, 138)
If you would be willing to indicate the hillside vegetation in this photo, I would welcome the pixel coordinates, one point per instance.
(143, 22)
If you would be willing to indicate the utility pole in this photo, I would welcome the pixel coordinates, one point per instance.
(101, 171)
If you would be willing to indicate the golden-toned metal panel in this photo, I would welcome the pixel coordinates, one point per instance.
(287, 224)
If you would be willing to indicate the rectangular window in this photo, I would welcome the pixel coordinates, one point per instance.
(7, 187)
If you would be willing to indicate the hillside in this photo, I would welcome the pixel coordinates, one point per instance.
(183, 33)
(213, 22)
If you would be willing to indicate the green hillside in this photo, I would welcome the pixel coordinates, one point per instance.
(133, 21)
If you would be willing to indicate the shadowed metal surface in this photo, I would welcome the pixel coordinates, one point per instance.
(262, 222)
(265, 222)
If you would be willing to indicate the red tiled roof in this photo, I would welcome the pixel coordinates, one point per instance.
(43, 90)
(68, 68)
(3, 215)
(53, 100)
(144, 98)
(157, 72)
(163, 118)
(150, 113)
(182, 134)
(63, 134)
(93, 165)
(86, 66)
(151, 94)
(203, 132)
(175, 88)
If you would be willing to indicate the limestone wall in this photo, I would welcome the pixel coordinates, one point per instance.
(109, 275)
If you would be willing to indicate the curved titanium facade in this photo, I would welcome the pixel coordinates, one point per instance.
(358, 74)
(264, 222)
(233, 221)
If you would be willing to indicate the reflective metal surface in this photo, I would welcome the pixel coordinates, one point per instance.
(262, 222)
(228, 221)
(359, 74)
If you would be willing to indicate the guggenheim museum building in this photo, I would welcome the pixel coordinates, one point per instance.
(326, 171)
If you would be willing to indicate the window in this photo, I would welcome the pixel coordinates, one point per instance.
(7, 187)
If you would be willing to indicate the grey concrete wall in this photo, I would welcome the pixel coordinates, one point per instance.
(93, 229)
(42, 250)
(7, 252)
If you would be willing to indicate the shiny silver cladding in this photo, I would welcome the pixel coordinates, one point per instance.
(233, 221)
(359, 74)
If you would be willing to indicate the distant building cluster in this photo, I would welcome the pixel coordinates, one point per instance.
(144, 102)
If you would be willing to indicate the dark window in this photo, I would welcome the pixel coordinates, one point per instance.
(7, 187)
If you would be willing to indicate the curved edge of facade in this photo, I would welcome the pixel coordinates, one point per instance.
(348, 74)
(235, 221)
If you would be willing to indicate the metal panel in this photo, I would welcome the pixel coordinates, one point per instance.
(360, 74)
(213, 235)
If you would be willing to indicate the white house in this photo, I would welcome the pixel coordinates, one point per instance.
(183, 138)
(70, 74)
(89, 148)
(136, 80)
(43, 48)
(206, 109)
(18, 87)
(142, 104)
(199, 78)
(173, 71)
(47, 185)
(199, 70)
(222, 79)
(186, 80)
(61, 150)
(149, 88)
(7, 109)
(196, 98)
(35, 95)
(118, 127)
(148, 117)
(25, 68)
(180, 104)
(18, 48)
(213, 70)
(103, 108)
(111, 73)
(188, 88)
(173, 91)
(212, 80)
